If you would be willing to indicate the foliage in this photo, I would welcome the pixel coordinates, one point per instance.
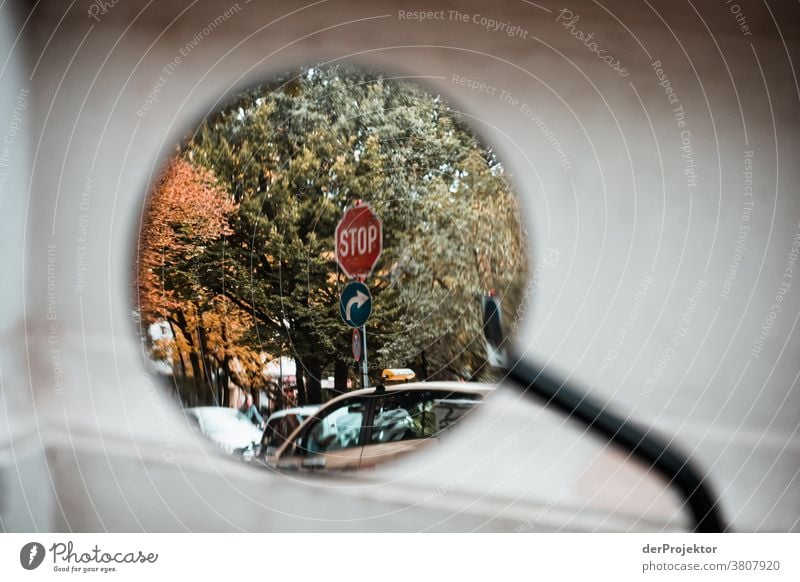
(291, 156)
(188, 212)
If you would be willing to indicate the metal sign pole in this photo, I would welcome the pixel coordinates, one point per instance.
(364, 366)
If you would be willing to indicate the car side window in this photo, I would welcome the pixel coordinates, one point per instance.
(339, 428)
(417, 415)
(279, 429)
(403, 416)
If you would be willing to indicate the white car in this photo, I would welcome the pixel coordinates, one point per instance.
(227, 427)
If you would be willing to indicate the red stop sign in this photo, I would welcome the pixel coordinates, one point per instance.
(359, 241)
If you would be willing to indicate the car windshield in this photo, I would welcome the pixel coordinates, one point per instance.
(279, 429)
(338, 429)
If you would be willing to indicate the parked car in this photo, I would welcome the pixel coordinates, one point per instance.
(227, 427)
(363, 428)
(280, 425)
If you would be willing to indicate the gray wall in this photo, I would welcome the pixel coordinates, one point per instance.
(652, 287)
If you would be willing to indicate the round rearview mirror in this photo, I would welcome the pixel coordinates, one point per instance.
(316, 264)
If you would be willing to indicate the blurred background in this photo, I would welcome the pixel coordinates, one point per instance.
(652, 147)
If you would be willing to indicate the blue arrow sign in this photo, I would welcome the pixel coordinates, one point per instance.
(355, 304)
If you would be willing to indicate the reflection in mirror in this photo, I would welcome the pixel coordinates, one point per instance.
(245, 299)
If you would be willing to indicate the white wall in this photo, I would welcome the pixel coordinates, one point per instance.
(120, 457)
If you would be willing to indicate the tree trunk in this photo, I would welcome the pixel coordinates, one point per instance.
(206, 359)
(201, 336)
(194, 360)
(340, 376)
(225, 370)
(180, 354)
(222, 383)
(277, 396)
(301, 386)
(314, 386)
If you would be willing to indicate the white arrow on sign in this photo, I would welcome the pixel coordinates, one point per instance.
(359, 300)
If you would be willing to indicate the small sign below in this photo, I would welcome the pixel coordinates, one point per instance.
(356, 345)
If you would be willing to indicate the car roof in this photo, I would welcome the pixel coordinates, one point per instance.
(310, 409)
(477, 388)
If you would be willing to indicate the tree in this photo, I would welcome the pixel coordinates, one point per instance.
(189, 210)
(293, 154)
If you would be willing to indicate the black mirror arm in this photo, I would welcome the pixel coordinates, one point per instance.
(663, 457)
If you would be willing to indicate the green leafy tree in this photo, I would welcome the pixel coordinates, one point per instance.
(294, 154)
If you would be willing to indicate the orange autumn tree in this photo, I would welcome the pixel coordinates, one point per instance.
(188, 210)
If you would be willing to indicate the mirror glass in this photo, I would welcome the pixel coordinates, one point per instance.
(310, 267)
